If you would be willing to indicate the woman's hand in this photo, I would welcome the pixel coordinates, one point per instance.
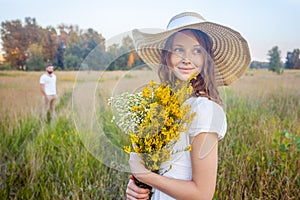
(133, 192)
(137, 168)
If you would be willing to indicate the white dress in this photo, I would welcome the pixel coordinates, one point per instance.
(210, 117)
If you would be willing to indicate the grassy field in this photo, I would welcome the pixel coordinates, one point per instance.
(258, 158)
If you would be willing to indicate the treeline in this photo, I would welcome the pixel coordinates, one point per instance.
(293, 60)
(29, 46)
(274, 61)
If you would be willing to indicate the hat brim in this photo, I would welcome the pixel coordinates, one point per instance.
(231, 53)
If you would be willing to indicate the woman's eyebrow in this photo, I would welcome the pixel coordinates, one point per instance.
(180, 45)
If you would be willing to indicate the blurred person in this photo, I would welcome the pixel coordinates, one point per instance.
(48, 89)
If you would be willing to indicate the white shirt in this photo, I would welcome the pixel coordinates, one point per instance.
(49, 82)
(210, 117)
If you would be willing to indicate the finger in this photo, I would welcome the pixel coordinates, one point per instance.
(134, 196)
(131, 177)
(133, 187)
(130, 194)
(134, 192)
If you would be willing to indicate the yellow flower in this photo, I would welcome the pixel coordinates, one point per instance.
(152, 83)
(169, 121)
(161, 117)
(133, 138)
(135, 108)
(194, 76)
(146, 92)
(144, 103)
(127, 149)
(189, 148)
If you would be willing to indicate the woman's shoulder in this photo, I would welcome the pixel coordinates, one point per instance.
(203, 104)
(210, 117)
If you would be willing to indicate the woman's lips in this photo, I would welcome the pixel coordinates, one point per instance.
(186, 69)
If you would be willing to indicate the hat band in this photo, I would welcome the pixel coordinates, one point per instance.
(183, 21)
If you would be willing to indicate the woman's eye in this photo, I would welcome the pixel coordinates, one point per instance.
(197, 51)
(178, 50)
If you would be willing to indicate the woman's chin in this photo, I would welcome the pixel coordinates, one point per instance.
(184, 77)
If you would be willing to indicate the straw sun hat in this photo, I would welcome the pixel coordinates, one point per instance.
(231, 54)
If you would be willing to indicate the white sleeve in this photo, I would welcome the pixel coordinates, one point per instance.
(42, 80)
(210, 117)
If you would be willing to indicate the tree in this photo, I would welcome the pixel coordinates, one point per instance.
(72, 62)
(36, 60)
(14, 43)
(60, 54)
(32, 32)
(73, 43)
(293, 60)
(259, 65)
(125, 57)
(92, 39)
(33, 46)
(79, 44)
(61, 45)
(49, 44)
(17, 39)
(74, 49)
(274, 60)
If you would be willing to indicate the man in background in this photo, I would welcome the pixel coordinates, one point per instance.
(48, 89)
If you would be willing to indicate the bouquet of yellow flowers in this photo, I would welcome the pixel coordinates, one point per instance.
(154, 119)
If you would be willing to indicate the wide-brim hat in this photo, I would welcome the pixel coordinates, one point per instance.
(231, 53)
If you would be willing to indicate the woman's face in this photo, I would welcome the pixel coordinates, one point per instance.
(187, 56)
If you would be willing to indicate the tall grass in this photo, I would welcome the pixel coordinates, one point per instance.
(48, 161)
(258, 158)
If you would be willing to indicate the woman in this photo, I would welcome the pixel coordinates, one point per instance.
(218, 56)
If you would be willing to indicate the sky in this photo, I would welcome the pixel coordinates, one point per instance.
(263, 23)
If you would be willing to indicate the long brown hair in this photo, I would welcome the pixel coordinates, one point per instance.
(204, 84)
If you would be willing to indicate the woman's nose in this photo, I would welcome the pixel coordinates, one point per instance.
(186, 60)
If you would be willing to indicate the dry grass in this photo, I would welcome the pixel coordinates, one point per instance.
(258, 159)
(259, 83)
(20, 95)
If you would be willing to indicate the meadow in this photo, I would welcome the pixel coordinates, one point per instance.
(259, 158)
